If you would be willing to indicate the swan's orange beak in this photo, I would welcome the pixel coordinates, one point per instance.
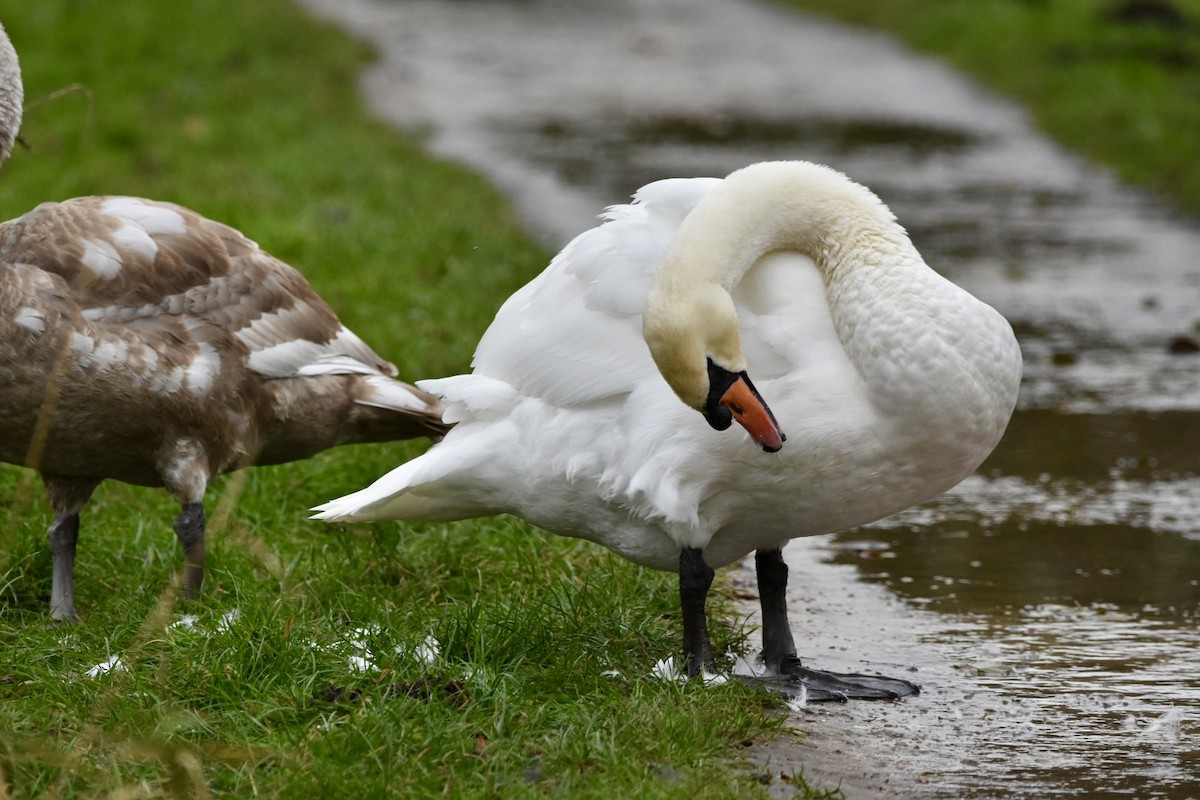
(732, 396)
(751, 412)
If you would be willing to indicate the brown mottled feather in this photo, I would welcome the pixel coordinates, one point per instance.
(208, 270)
(142, 342)
(206, 285)
(168, 350)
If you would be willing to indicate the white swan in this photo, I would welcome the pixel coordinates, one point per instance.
(140, 341)
(892, 385)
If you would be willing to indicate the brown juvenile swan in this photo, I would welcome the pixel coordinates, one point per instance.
(140, 341)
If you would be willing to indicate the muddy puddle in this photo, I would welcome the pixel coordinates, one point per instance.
(1049, 605)
(1063, 596)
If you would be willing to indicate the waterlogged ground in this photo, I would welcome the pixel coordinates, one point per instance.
(1054, 618)
(1049, 605)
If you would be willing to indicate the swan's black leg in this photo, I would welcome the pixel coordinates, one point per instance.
(778, 646)
(779, 649)
(695, 578)
(189, 528)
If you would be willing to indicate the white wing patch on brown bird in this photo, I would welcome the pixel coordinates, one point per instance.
(31, 319)
(142, 342)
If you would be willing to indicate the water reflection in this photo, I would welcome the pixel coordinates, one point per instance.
(1128, 573)
(1066, 581)
(1065, 700)
(1078, 701)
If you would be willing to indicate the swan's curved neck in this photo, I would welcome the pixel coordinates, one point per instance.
(796, 206)
(12, 95)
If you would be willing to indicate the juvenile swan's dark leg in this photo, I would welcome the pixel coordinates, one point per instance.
(779, 649)
(63, 534)
(67, 496)
(189, 527)
(695, 578)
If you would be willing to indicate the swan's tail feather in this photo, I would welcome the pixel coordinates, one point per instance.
(371, 505)
(449, 482)
(381, 391)
(401, 408)
(403, 493)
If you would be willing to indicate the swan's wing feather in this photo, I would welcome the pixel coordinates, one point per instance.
(130, 260)
(543, 341)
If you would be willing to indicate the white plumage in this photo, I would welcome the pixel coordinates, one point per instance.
(891, 383)
(565, 390)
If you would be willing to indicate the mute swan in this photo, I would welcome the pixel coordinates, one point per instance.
(142, 342)
(892, 385)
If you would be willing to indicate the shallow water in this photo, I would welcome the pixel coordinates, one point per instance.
(1077, 651)
(1064, 581)
(1027, 688)
(1049, 605)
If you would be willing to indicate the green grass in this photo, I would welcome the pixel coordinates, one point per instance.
(247, 112)
(1121, 89)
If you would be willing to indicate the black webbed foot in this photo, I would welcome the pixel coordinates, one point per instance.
(819, 686)
(785, 673)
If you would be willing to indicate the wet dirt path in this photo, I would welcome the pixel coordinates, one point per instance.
(1048, 605)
